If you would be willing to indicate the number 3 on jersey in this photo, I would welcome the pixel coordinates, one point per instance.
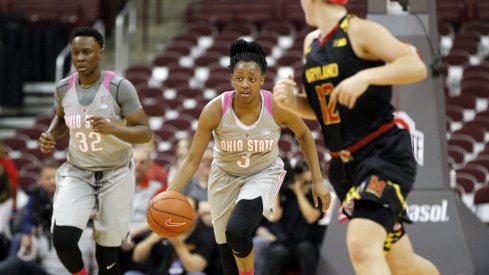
(91, 142)
(245, 162)
(328, 108)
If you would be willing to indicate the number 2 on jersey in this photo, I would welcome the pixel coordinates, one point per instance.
(90, 142)
(328, 108)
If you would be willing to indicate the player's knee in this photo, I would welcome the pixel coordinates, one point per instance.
(238, 238)
(239, 230)
(361, 251)
(65, 238)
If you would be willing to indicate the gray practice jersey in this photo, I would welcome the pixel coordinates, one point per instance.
(243, 150)
(87, 149)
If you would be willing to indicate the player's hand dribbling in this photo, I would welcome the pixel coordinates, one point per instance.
(46, 142)
(349, 90)
(283, 91)
(100, 125)
(320, 191)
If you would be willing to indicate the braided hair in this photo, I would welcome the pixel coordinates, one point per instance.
(90, 32)
(242, 50)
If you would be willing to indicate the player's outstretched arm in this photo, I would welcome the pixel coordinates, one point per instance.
(308, 147)
(209, 120)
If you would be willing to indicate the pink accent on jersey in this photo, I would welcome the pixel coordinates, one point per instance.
(227, 100)
(107, 78)
(72, 82)
(267, 98)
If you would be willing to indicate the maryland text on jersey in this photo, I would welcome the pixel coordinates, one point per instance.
(318, 73)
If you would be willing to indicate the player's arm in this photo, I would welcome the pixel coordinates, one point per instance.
(308, 148)
(56, 129)
(208, 121)
(58, 126)
(283, 91)
(372, 41)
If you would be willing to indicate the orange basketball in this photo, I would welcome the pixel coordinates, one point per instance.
(169, 214)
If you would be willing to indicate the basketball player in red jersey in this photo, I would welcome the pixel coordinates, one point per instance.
(350, 66)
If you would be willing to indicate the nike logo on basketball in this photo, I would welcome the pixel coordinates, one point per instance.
(110, 266)
(168, 222)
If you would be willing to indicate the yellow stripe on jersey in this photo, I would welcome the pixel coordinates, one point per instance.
(400, 197)
(340, 42)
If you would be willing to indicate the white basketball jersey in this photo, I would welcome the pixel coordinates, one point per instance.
(88, 149)
(243, 150)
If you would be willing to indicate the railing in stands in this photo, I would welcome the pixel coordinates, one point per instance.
(125, 25)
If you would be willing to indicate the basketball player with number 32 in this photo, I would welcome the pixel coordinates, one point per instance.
(103, 115)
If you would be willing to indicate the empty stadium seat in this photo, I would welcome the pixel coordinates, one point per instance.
(185, 91)
(182, 47)
(467, 181)
(17, 142)
(33, 133)
(243, 28)
(149, 92)
(141, 69)
(457, 154)
(201, 28)
(482, 10)
(284, 28)
(166, 58)
(193, 112)
(453, 11)
(477, 133)
(182, 123)
(176, 79)
(464, 141)
(155, 110)
(476, 88)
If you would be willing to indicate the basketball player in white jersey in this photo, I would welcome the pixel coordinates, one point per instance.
(103, 115)
(247, 172)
